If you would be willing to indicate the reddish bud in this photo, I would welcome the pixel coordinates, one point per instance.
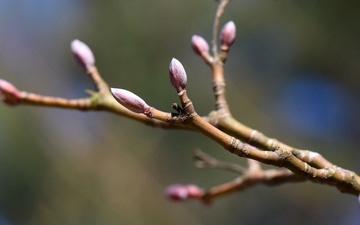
(199, 45)
(177, 74)
(9, 94)
(194, 191)
(82, 54)
(130, 100)
(177, 192)
(228, 34)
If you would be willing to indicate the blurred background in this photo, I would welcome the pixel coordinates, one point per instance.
(293, 73)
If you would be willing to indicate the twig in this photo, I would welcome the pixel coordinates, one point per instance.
(220, 10)
(249, 177)
(96, 102)
(204, 160)
(100, 84)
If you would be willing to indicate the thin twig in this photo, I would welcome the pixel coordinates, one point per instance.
(204, 160)
(266, 177)
(100, 84)
(254, 175)
(220, 10)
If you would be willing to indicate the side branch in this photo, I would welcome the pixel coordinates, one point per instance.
(249, 177)
(269, 177)
(100, 84)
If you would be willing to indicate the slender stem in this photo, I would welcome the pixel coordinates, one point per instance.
(206, 161)
(220, 10)
(100, 84)
(267, 177)
(40, 100)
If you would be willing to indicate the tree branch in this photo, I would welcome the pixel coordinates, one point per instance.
(344, 180)
(219, 125)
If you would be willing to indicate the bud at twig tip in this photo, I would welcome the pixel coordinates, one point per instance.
(83, 54)
(177, 192)
(199, 45)
(9, 94)
(228, 34)
(177, 74)
(194, 191)
(130, 100)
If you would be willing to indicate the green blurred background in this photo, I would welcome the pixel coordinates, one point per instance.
(293, 73)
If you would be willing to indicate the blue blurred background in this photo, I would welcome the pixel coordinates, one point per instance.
(293, 73)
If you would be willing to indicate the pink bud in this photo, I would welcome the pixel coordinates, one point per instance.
(194, 191)
(199, 45)
(177, 192)
(83, 54)
(177, 74)
(9, 94)
(129, 100)
(228, 34)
